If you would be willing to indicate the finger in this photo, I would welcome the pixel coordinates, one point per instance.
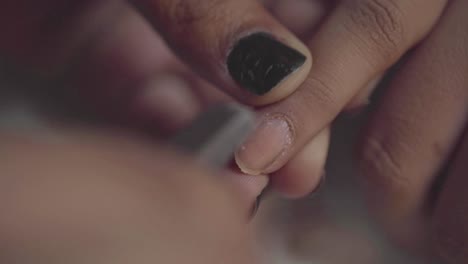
(167, 103)
(108, 54)
(116, 65)
(142, 83)
(416, 127)
(95, 199)
(354, 45)
(305, 171)
(451, 212)
(301, 17)
(235, 44)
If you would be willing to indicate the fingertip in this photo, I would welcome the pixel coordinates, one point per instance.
(300, 187)
(264, 150)
(305, 172)
(237, 45)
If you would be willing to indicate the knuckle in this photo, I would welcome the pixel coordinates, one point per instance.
(379, 24)
(380, 166)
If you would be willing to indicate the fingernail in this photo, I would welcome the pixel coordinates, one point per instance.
(259, 62)
(263, 148)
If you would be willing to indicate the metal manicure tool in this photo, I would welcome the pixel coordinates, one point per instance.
(216, 134)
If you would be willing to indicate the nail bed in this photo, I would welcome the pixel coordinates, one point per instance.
(259, 62)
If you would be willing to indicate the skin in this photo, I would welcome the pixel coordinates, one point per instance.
(95, 197)
(411, 142)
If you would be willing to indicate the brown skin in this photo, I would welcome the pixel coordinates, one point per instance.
(413, 134)
(412, 152)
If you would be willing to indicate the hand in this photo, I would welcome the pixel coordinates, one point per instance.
(108, 54)
(412, 153)
(90, 198)
(414, 150)
(353, 43)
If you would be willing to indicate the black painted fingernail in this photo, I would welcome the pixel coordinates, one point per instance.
(259, 62)
(216, 134)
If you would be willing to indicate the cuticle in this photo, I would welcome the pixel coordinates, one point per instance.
(241, 34)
